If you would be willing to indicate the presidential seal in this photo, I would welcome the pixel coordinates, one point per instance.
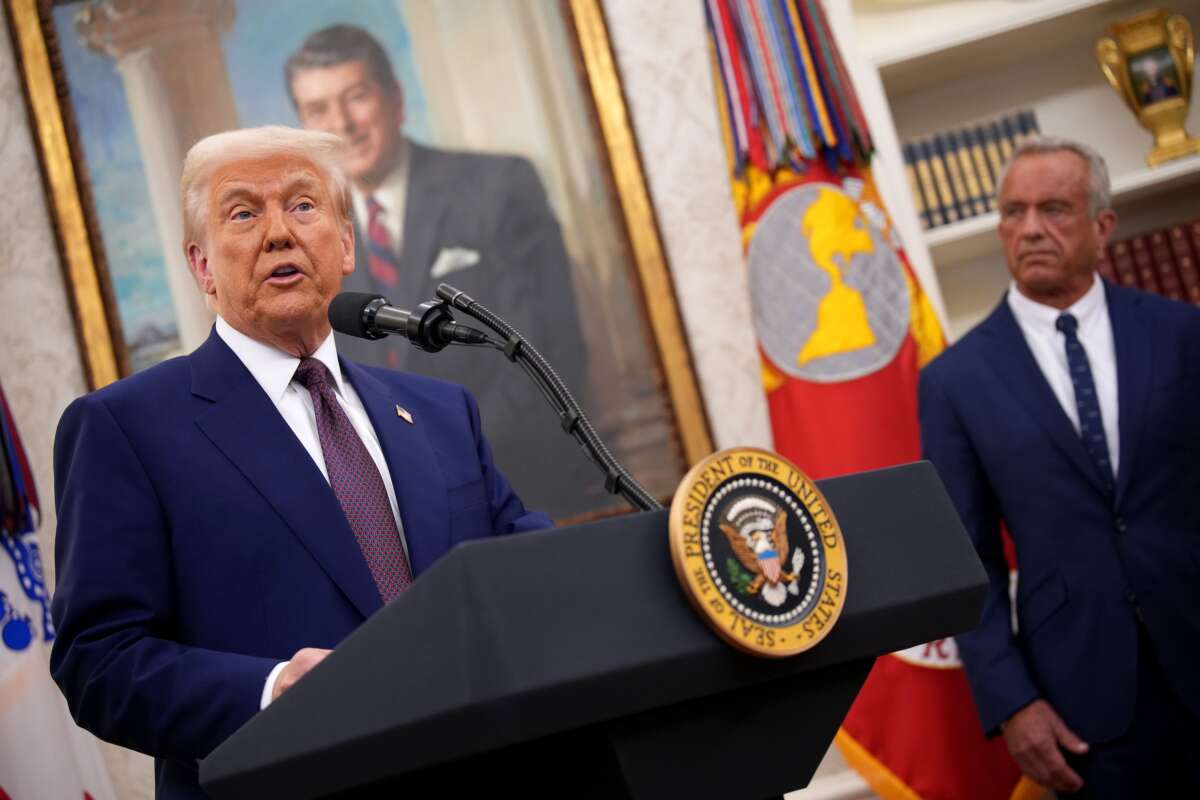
(759, 552)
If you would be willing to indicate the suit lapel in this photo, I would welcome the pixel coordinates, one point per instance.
(1013, 361)
(245, 425)
(1132, 343)
(416, 475)
(422, 224)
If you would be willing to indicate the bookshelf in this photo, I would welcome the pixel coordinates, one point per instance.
(926, 66)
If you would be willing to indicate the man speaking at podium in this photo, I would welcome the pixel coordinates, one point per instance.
(227, 517)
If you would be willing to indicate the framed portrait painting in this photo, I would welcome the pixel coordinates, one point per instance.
(487, 146)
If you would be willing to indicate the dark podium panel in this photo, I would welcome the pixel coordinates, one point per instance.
(568, 663)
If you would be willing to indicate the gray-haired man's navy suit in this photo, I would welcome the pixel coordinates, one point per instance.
(1109, 582)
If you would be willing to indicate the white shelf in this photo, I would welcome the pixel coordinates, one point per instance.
(976, 237)
(1152, 180)
(962, 241)
(963, 38)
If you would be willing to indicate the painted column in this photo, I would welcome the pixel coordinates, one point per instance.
(169, 55)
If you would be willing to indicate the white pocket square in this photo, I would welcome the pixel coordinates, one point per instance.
(452, 259)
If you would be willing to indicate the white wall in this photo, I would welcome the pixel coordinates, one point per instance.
(662, 57)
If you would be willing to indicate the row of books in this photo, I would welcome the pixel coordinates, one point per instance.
(1162, 261)
(953, 175)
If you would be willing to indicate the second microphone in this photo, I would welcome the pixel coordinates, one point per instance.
(430, 327)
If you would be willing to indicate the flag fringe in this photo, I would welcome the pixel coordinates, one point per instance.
(888, 785)
(882, 780)
(1029, 789)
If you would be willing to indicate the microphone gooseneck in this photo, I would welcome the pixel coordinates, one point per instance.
(617, 479)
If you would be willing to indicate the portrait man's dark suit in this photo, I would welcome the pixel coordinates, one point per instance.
(492, 207)
(1104, 661)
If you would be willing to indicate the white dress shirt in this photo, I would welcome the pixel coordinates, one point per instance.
(274, 369)
(391, 195)
(1037, 323)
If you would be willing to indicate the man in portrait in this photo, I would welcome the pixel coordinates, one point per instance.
(227, 517)
(1152, 82)
(1069, 416)
(478, 221)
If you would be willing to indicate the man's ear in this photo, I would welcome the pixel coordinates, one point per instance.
(348, 247)
(1106, 223)
(198, 263)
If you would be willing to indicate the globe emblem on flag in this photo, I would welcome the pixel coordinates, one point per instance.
(827, 287)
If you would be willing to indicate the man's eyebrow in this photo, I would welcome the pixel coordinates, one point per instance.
(294, 183)
(237, 191)
(360, 84)
(302, 182)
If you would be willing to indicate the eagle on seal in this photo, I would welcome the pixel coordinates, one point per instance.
(757, 532)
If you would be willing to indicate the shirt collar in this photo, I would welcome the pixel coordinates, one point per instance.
(1031, 312)
(390, 192)
(273, 368)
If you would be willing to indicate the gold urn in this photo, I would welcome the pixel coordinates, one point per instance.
(1148, 60)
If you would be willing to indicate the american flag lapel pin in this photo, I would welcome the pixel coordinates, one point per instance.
(403, 413)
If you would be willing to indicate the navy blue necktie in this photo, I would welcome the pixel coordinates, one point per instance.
(1091, 424)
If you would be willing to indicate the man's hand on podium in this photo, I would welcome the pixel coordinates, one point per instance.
(305, 659)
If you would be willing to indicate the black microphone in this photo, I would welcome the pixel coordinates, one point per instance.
(429, 328)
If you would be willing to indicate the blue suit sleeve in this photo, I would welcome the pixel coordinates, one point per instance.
(118, 658)
(509, 514)
(999, 677)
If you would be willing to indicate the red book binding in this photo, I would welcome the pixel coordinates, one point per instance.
(1122, 260)
(1186, 253)
(1164, 264)
(1143, 262)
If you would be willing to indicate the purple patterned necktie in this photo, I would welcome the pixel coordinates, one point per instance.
(356, 482)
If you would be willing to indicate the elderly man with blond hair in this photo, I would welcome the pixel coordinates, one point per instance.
(227, 517)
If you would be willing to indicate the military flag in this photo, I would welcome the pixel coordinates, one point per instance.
(843, 328)
(42, 752)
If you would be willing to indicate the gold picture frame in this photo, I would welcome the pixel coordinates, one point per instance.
(102, 346)
(99, 340)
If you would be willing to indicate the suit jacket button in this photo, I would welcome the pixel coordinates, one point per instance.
(1119, 522)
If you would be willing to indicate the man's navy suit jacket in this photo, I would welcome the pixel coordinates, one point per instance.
(198, 544)
(1089, 562)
